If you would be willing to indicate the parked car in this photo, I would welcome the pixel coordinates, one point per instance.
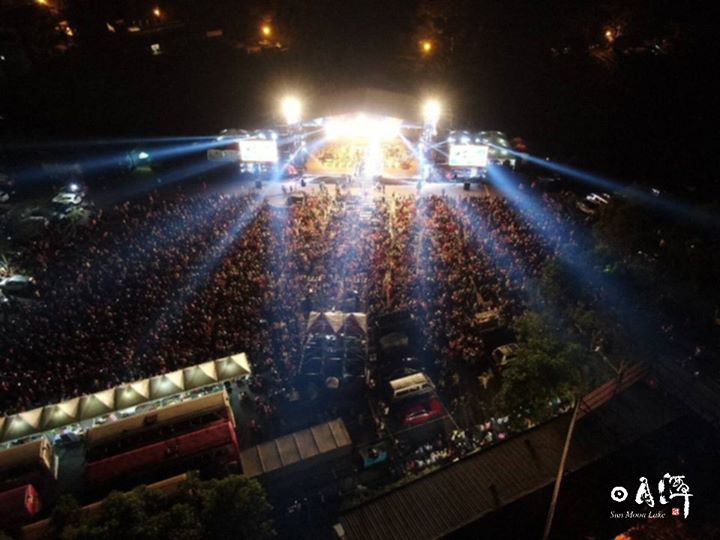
(67, 199)
(419, 413)
(71, 194)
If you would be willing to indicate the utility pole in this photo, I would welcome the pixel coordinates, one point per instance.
(561, 470)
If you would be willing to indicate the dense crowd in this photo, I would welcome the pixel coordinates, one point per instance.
(163, 283)
(456, 263)
(145, 288)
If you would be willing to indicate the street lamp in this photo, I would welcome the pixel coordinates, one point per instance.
(431, 112)
(291, 109)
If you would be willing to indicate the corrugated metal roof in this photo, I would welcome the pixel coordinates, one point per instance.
(465, 491)
(293, 448)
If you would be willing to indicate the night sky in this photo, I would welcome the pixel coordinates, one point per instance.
(529, 68)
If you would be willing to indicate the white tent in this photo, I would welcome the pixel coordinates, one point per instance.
(318, 324)
(233, 366)
(123, 396)
(167, 384)
(132, 394)
(61, 414)
(98, 403)
(200, 375)
(336, 322)
(355, 323)
(22, 424)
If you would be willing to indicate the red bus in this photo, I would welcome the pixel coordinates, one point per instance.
(193, 434)
(218, 438)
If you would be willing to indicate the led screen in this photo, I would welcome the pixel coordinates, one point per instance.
(259, 151)
(468, 155)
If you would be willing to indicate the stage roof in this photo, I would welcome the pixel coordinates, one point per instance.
(368, 100)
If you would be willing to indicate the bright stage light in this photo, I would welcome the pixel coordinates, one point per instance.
(431, 112)
(363, 127)
(291, 109)
(266, 30)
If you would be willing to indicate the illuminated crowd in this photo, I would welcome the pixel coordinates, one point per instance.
(162, 283)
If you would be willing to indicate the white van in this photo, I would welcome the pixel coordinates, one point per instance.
(417, 384)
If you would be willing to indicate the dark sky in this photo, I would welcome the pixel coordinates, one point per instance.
(630, 115)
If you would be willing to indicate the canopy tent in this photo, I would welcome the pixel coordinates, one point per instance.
(318, 324)
(336, 322)
(167, 384)
(233, 366)
(132, 394)
(61, 414)
(200, 375)
(22, 424)
(123, 396)
(97, 404)
(355, 324)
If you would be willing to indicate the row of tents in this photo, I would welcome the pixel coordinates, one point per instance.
(122, 397)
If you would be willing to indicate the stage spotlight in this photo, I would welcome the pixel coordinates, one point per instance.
(291, 109)
(266, 30)
(431, 112)
(362, 126)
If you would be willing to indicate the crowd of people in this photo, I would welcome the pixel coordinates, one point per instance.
(145, 288)
(161, 283)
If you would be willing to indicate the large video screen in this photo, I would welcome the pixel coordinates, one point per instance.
(259, 151)
(468, 155)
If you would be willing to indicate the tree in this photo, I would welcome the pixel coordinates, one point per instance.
(66, 514)
(234, 507)
(544, 370)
